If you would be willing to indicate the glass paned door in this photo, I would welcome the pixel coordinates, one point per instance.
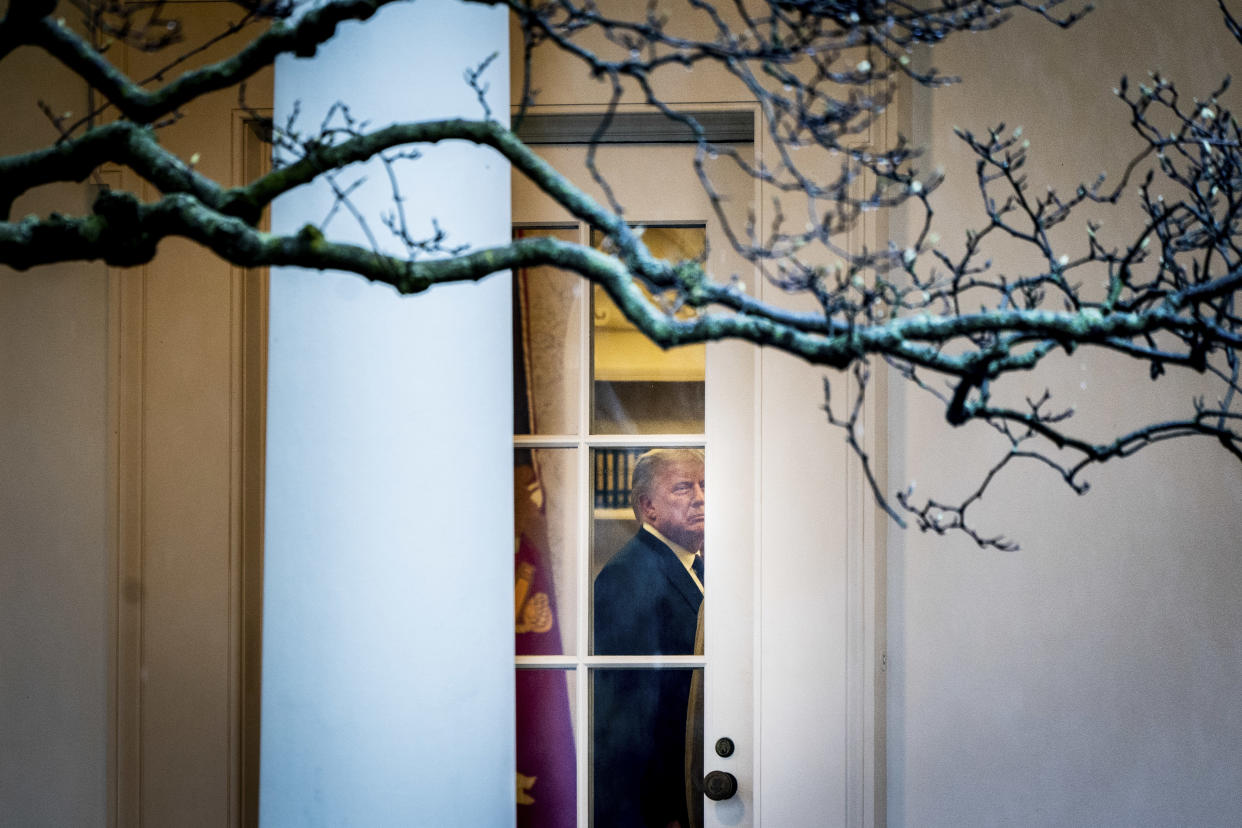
(611, 638)
(637, 387)
(639, 596)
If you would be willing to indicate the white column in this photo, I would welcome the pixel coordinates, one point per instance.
(388, 617)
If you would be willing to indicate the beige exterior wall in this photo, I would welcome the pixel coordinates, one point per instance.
(54, 558)
(54, 565)
(122, 424)
(1091, 678)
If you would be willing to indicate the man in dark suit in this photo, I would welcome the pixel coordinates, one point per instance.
(646, 603)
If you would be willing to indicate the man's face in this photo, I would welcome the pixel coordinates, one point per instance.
(674, 505)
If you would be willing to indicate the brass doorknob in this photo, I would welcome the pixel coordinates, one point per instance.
(719, 785)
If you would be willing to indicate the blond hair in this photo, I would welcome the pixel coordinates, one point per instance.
(649, 466)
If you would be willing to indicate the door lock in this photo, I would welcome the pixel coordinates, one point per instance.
(719, 785)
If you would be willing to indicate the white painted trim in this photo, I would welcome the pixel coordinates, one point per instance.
(762, 215)
(855, 603)
(569, 441)
(866, 582)
(570, 661)
(584, 720)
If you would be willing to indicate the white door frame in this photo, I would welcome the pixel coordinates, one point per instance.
(864, 535)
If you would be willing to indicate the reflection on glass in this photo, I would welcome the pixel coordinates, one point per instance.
(546, 788)
(647, 747)
(638, 388)
(547, 343)
(545, 591)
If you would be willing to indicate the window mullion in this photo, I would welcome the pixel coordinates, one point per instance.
(582, 725)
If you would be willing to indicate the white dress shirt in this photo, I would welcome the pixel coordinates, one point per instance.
(684, 555)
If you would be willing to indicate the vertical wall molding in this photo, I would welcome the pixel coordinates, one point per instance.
(129, 324)
(126, 328)
(247, 404)
(866, 542)
(248, 407)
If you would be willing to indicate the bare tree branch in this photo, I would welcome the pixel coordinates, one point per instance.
(820, 73)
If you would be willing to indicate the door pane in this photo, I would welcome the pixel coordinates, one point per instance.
(545, 565)
(546, 764)
(613, 521)
(547, 322)
(647, 747)
(638, 388)
(648, 573)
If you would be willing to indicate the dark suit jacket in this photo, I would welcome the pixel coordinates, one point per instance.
(645, 604)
